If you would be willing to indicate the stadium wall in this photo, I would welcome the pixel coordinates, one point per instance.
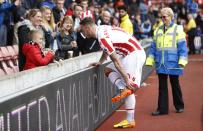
(70, 97)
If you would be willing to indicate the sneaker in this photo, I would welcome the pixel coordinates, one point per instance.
(125, 124)
(123, 94)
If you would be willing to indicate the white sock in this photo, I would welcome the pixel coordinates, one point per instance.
(116, 79)
(130, 103)
(130, 117)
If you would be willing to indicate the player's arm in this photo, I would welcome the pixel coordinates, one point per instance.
(119, 67)
(102, 59)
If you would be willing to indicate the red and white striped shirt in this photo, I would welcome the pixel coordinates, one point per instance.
(86, 13)
(115, 39)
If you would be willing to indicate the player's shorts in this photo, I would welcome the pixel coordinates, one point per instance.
(132, 64)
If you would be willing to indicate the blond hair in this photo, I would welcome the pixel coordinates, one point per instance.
(33, 32)
(167, 11)
(51, 23)
(32, 13)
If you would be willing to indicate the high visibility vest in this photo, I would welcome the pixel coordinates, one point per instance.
(167, 46)
(167, 40)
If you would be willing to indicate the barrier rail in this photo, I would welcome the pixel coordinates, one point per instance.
(67, 99)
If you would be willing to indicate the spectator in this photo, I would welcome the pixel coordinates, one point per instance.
(169, 53)
(105, 18)
(137, 26)
(5, 8)
(199, 20)
(97, 11)
(193, 8)
(48, 26)
(182, 10)
(151, 15)
(192, 31)
(86, 45)
(134, 8)
(119, 3)
(48, 3)
(33, 22)
(86, 12)
(125, 24)
(33, 51)
(31, 4)
(158, 22)
(19, 13)
(143, 10)
(174, 6)
(59, 11)
(70, 10)
(145, 29)
(110, 7)
(77, 13)
(65, 39)
(115, 22)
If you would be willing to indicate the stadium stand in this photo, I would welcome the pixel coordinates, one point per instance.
(8, 59)
(2, 73)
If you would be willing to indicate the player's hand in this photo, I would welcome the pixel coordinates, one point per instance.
(95, 64)
(129, 84)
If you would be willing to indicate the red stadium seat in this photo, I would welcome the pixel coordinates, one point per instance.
(16, 69)
(7, 69)
(5, 53)
(1, 56)
(12, 52)
(15, 47)
(2, 73)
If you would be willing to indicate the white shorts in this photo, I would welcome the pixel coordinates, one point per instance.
(132, 64)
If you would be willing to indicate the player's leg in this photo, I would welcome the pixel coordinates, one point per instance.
(132, 64)
(129, 122)
(114, 77)
(135, 73)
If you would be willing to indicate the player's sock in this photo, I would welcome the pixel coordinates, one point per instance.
(130, 107)
(130, 116)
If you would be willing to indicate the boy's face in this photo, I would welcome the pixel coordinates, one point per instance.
(38, 38)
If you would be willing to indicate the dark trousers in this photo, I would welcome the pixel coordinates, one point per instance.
(163, 93)
(191, 44)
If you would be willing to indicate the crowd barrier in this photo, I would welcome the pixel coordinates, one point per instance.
(70, 97)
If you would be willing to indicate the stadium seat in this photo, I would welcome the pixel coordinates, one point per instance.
(12, 52)
(2, 73)
(1, 56)
(5, 53)
(16, 69)
(7, 69)
(10, 63)
(15, 47)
